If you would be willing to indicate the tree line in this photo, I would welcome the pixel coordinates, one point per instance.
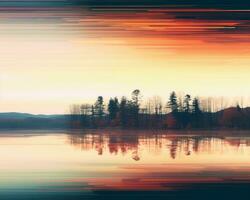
(178, 112)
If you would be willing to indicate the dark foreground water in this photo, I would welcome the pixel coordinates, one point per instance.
(124, 165)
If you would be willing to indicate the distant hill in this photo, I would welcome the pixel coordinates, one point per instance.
(234, 117)
(9, 120)
(14, 115)
(17, 115)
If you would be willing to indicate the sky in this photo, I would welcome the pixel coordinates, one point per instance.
(56, 53)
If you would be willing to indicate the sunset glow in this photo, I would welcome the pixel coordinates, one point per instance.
(72, 55)
(124, 99)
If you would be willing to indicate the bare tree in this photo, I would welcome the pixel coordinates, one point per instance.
(85, 109)
(75, 109)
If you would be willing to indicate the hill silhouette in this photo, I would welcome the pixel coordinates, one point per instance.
(15, 120)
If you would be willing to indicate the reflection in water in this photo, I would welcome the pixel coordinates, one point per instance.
(131, 143)
(169, 162)
(107, 164)
(114, 143)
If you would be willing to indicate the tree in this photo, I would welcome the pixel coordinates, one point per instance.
(197, 118)
(99, 107)
(75, 116)
(85, 109)
(238, 107)
(172, 103)
(92, 111)
(196, 106)
(113, 108)
(85, 113)
(157, 105)
(186, 102)
(75, 109)
(136, 97)
(134, 107)
(93, 116)
(123, 111)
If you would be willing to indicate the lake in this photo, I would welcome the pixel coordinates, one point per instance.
(105, 164)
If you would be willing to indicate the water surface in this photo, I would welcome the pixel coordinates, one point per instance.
(124, 164)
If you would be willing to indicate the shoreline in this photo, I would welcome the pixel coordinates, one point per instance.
(127, 132)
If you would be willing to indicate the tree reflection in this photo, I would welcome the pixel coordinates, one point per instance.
(124, 142)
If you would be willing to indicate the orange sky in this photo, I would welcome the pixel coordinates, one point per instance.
(50, 59)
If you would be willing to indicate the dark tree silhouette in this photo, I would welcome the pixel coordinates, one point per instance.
(123, 111)
(197, 121)
(85, 112)
(99, 107)
(186, 102)
(134, 107)
(93, 116)
(238, 107)
(196, 106)
(136, 97)
(113, 108)
(172, 103)
(185, 113)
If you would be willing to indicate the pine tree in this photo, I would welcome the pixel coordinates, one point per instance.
(99, 107)
(113, 108)
(172, 103)
(187, 103)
